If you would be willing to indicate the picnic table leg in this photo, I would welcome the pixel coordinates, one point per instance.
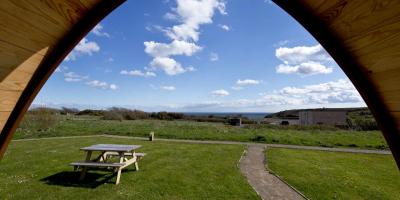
(121, 160)
(84, 169)
(136, 160)
(137, 165)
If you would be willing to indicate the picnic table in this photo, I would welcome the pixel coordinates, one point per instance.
(125, 153)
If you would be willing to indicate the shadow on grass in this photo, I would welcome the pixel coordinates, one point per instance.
(71, 179)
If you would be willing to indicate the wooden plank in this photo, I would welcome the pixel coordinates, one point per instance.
(19, 77)
(35, 25)
(96, 164)
(387, 80)
(12, 57)
(8, 99)
(111, 147)
(3, 118)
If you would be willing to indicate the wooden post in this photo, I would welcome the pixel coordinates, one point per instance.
(151, 136)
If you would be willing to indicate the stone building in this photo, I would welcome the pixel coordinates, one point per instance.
(323, 116)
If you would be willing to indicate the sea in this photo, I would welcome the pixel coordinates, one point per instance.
(258, 116)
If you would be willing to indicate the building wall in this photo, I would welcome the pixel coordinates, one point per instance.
(322, 117)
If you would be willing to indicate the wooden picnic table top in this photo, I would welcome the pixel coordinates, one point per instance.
(111, 147)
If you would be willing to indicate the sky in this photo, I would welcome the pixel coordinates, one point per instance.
(199, 56)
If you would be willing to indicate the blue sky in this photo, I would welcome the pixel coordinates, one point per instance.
(206, 56)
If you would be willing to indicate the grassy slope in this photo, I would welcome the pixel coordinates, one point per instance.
(169, 171)
(329, 175)
(213, 131)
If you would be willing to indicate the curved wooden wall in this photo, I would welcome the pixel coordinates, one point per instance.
(363, 36)
(35, 36)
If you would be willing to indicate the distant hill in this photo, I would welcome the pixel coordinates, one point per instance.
(294, 113)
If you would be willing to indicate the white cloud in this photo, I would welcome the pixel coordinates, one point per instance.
(176, 47)
(98, 30)
(236, 88)
(281, 43)
(214, 56)
(224, 27)
(247, 82)
(171, 16)
(190, 69)
(74, 77)
(192, 14)
(340, 91)
(304, 60)
(102, 85)
(168, 88)
(168, 65)
(306, 68)
(219, 93)
(113, 87)
(84, 47)
(300, 54)
(138, 73)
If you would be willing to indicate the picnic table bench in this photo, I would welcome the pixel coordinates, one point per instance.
(125, 153)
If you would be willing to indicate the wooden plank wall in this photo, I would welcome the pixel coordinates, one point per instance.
(370, 30)
(28, 31)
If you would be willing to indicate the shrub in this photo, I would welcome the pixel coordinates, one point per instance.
(40, 119)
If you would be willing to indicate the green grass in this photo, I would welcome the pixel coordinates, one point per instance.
(333, 175)
(213, 131)
(38, 170)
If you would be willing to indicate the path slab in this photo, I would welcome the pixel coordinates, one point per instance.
(268, 186)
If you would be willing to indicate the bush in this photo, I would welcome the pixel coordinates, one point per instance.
(110, 115)
(258, 138)
(40, 119)
(65, 111)
(91, 112)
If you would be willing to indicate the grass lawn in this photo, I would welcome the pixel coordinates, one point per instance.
(333, 175)
(212, 131)
(38, 170)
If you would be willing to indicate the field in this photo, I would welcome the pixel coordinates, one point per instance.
(332, 175)
(38, 170)
(177, 129)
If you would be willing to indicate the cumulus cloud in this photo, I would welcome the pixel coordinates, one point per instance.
(219, 93)
(74, 77)
(214, 56)
(84, 47)
(192, 14)
(102, 85)
(98, 31)
(307, 68)
(176, 47)
(304, 60)
(340, 91)
(281, 43)
(236, 88)
(168, 88)
(247, 82)
(224, 27)
(168, 65)
(171, 16)
(138, 73)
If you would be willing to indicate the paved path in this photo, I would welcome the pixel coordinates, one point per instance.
(268, 186)
(287, 146)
